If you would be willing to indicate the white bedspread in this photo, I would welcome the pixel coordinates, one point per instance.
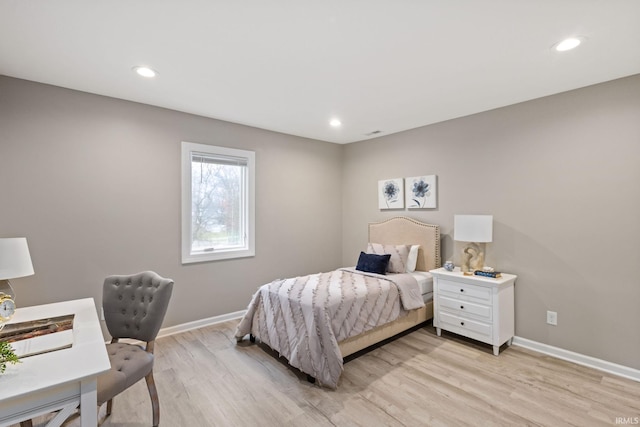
(304, 318)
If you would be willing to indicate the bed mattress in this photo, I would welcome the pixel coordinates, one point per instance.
(425, 281)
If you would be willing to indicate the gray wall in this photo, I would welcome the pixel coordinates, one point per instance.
(94, 185)
(561, 177)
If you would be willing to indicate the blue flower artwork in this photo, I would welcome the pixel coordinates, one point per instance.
(421, 192)
(390, 194)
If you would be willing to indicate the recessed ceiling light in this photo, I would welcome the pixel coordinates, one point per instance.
(335, 123)
(145, 71)
(568, 44)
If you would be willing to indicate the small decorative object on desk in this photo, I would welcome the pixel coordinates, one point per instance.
(7, 355)
(492, 274)
(449, 266)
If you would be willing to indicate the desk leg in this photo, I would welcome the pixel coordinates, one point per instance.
(62, 415)
(89, 403)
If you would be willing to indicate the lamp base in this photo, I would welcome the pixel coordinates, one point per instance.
(6, 289)
(472, 258)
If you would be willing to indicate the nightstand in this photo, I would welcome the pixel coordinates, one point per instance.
(476, 307)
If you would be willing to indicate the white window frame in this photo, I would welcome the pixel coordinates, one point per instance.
(248, 249)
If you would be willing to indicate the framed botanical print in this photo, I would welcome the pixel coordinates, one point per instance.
(421, 192)
(391, 194)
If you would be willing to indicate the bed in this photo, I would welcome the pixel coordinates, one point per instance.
(315, 321)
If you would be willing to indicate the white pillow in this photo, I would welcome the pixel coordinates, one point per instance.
(412, 261)
(399, 255)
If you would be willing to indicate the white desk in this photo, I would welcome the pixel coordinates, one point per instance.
(60, 380)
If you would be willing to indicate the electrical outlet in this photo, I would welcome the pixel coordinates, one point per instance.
(552, 318)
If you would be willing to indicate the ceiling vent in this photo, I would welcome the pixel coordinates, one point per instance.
(375, 132)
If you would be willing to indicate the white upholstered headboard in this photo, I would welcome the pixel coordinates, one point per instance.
(406, 231)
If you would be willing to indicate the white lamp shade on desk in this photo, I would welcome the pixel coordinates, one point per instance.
(473, 228)
(15, 260)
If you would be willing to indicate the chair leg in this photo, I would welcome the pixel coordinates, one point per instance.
(109, 407)
(153, 394)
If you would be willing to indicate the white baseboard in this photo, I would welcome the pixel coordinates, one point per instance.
(165, 332)
(580, 359)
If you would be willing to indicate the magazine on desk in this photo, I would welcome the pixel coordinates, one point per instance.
(39, 336)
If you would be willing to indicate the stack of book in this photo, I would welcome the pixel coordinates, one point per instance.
(492, 274)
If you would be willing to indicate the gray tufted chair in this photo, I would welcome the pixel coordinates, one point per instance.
(134, 307)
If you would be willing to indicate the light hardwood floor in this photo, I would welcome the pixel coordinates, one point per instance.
(205, 379)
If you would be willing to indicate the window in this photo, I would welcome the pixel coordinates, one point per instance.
(218, 214)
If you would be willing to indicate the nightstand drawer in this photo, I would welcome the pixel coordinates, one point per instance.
(465, 307)
(463, 326)
(463, 290)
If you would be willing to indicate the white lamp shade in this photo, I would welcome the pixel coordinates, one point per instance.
(15, 260)
(473, 228)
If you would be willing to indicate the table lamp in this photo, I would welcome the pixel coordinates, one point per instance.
(476, 230)
(15, 261)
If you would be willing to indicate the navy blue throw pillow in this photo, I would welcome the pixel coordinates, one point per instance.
(372, 263)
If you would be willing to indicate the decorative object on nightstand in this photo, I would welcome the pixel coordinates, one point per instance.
(476, 307)
(475, 230)
(449, 266)
(15, 262)
(488, 273)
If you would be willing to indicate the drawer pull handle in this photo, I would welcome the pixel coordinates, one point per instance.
(461, 323)
(462, 307)
(461, 290)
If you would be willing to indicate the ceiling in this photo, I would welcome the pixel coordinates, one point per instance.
(292, 65)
